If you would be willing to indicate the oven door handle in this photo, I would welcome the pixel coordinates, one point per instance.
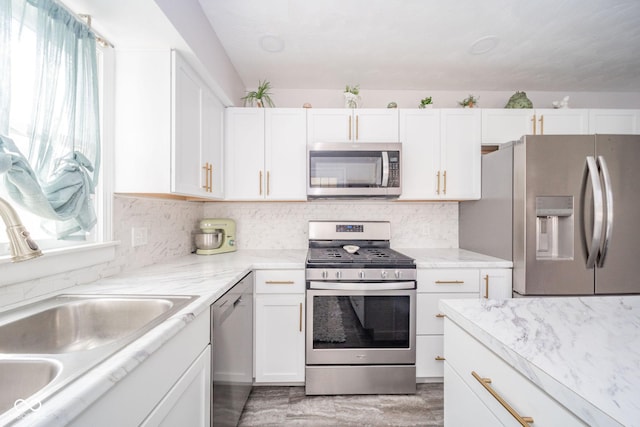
(362, 286)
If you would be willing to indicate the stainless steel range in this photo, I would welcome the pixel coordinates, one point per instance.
(361, 300)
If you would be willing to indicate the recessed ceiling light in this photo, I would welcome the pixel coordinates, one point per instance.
(271, 43)
(484, 45)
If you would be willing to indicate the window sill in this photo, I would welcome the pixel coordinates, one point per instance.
(56, 261)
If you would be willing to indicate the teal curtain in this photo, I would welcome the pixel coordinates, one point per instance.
(57, 177)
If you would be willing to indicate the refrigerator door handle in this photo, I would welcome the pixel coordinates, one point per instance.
(608, 200)
(598, 213)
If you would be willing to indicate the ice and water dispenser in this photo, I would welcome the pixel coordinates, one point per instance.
(554, 227)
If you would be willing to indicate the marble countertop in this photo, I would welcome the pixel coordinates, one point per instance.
(209, 277)
(582, 351)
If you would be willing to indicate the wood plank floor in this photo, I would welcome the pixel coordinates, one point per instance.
(287, 406)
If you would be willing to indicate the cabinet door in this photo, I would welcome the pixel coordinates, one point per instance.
(500, 125)
(212, 143)
(462, 407)
(496, 283)
(562, 122)
(188, 402)
(420, 137)
(376, 125)
(244, 154)
(429, 319)
(614, 121)
(279, 335)
(460, 154)
(330, 125)
(285, 154)
(429, 356)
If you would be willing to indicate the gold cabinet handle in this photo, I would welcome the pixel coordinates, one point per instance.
(486, 286)
(279, 282)
(349, 128)
(524, 421)
(268, 182)
(534, 124)
(208, 177)
(438, 178)
(300, 323)
(449, 282)
(439, 358)
(357, 127)
(444, 191)
(260, 182)
(440, 315)
(541, 120)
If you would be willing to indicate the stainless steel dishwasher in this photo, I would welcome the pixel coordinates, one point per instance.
(232, 356)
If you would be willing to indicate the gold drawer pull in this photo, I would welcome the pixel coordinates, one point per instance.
(440, 315)
(280, 282)
(439, 358)
(449, 282)
(524, 421)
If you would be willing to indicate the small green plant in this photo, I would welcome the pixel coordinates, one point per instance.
(424, 102)
(352, 89)
(469, 102)
(260, 97)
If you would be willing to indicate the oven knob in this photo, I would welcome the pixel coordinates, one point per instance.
(383, 273)
(338, 274)
(398, 274)
(325, 274)
(361, 274)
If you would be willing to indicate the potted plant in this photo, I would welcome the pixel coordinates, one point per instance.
(351, 96)
(426, 103)
(469, 102)
(260, 97)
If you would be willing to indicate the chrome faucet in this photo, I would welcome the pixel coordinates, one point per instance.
(21, 245)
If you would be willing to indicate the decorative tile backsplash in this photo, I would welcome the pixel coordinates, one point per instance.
(170, 226)
(282, 225)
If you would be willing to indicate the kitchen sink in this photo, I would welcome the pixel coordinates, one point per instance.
(46, 345)
(71, 323)
(22, 378)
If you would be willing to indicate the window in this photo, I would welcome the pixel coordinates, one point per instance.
(24, 50)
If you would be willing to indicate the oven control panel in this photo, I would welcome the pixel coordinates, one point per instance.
(365, 274)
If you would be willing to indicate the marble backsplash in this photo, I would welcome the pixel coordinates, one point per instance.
(275, 225)
(283, 225)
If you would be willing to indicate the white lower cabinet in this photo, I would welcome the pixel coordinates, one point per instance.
(279, 326)
(163, 387)
(472, 370)
(453, 283)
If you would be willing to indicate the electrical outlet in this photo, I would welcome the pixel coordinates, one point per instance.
(139, 236)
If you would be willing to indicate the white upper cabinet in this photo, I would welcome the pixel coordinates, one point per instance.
(614, 121)
(265, 154)
(500, 125)
(168, 127)
(440, 154)
(352, 125)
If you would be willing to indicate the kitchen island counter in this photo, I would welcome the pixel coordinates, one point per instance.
(582, 351)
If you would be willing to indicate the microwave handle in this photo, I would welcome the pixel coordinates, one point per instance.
(385, 169)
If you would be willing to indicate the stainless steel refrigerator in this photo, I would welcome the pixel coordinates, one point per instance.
(565, 209)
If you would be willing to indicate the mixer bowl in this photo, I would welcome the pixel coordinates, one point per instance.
(210, 240)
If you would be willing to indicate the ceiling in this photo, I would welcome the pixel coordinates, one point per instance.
(542, 45)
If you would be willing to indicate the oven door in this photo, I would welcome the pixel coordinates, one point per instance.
(364, 169)
(354, 327)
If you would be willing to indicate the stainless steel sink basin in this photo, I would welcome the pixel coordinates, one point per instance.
(46, 345)
(71, 323)
(22, 378)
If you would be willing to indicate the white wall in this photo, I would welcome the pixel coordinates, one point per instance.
(449, 99)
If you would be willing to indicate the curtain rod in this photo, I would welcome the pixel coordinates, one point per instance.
(87, 20)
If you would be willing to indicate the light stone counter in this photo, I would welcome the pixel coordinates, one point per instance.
(206, 276)
(584, 352)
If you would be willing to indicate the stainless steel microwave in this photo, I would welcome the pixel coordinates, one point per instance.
(350, 170)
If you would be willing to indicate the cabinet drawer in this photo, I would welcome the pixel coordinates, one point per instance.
(449, 280)
(429, 356)
(429, 319)
(280, 281)
(466, 355)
